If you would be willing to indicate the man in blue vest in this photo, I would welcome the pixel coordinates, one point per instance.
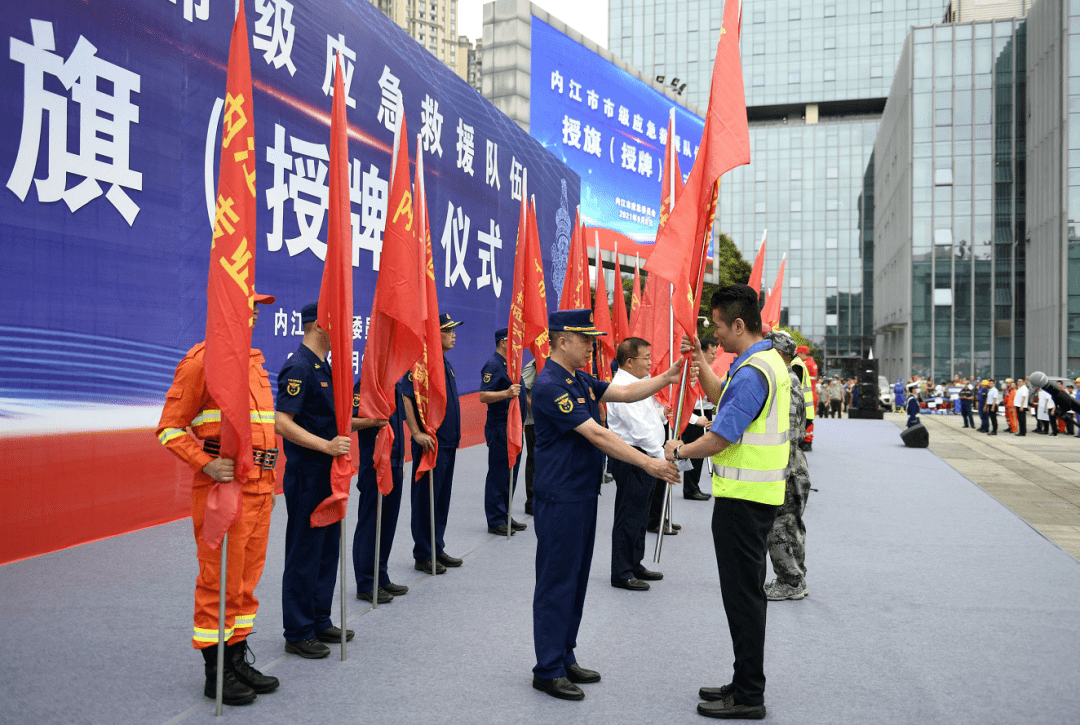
(748, 442)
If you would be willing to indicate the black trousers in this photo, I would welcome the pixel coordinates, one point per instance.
(633, 491)
(1021, 421)
(691, 481)
(656, 503)
(991, 416)
(740, 533)
(834, 408)
(530, 465)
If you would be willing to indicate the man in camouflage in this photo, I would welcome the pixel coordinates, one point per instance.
(787, 539)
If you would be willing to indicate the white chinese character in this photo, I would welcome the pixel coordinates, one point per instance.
(593, 99)
(571, 132)
(358, 327)
(305, 185)
(355, 364)
(200, 11)
(644, 164)
(650, 129)
(637, 122)
(274, 33)
(298, 323)
(515, 179)
(663, 136)
(431, 125)
(575, 90)
(629, 157)
(609, 108)
(488, 273)
(686, 147)
(105, 120)
(391, 102)
(372, 194)
(464, 147)
(676, 147)
(624, 115)
(281, 322)
(455, 240)
(556, 80)
(492, 175)
(348, 56)
(592, 141)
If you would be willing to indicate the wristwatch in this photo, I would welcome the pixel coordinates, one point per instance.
(675, 453)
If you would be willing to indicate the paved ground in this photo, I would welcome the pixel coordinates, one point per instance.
(1037, 477)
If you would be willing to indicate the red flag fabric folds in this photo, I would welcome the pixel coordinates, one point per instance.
(230, 288)
(770, 313)
(620, 321)
(605, 350)
(575, 291)
(759, 265)
(635, 298)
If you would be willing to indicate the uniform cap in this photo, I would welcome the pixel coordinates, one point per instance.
(264, 299)
(310, 313)
(501, 334)
(445, 323)
(802, 350)
(580, 321)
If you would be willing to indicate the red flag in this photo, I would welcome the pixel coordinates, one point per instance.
(670, 176)
(620, 323)
(605, 351)
(770, 313)
(396, 336)
(635, 297)
(535, 310)
(336, 303)
(725, 144)
(759, 265)
(230, 288)
(429, 372)
(575, 291)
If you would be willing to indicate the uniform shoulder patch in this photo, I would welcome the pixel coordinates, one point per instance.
(293, 386)
(565, 404)
(355, 402)
(487, 377)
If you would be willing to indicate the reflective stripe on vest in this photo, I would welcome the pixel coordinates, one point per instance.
(169, 433)
(754, 468)
(807, 393)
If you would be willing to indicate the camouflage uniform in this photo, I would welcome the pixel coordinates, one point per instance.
(788, 535)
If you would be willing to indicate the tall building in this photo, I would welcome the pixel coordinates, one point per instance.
(433, 23)
(817, 74)
(966, 11)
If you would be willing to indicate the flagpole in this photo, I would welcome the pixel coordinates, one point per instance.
(220, 676)
(378, 542)
(341, 557)
(431, 512)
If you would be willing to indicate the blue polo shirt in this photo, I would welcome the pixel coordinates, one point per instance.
(449, 433)
(568, 466)
(306, 390)
(494, 378)
(744, 397)
(366, 436)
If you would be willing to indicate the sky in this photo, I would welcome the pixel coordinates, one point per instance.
(590, 18)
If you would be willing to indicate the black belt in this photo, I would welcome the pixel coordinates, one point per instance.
(265, 459)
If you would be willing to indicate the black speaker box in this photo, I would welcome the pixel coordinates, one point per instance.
(868, 371)
(916, 436)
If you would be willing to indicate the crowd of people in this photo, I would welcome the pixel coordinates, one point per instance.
(836, 396)
(989, 400)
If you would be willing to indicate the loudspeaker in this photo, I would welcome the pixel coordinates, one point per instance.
(916, 436)
(868, 371)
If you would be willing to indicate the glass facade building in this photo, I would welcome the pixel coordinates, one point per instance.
(816, 75)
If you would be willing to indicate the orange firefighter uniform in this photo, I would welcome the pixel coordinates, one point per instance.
(189, 414)
(812, 371)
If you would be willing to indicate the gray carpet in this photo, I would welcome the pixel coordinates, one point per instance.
(930, 603)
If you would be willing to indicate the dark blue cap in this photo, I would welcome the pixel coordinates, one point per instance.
(580, 321)
(501, 334)
(445, 323)
(310, 313)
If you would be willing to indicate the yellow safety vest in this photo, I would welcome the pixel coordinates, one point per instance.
(754, 468)
(807, 390)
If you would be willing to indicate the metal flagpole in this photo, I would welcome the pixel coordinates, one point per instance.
(378, 543)
(431, 511)
(219, 683)
(509, 504)
(341, 583)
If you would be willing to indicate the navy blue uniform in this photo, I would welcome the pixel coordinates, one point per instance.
(568, 475)
(913, 410)
(494, 378)
(448, 437)
(363, 550)
(305, 390)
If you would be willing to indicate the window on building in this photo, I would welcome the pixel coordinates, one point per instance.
(875, 39)
(830, 11)
(759, 49)
(943, 177)
(943, 238)
(795, 282)
(832, 320)
(759, 80)
(830, 243)
(830, 75)
(943, 297)
(876, 6)
(759, 207)
(796, 174)
(796, 206)
(830, 281)
(793, 14)
(760, 175)
(795, 244)
(943, 117)
(759, 17)
(875, 71)
(832, 172)
(793, 78)
(830, 43)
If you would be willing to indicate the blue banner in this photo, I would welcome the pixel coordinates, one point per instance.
(609, 127)
(109, 136)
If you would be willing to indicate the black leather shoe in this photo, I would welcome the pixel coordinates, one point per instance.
(517, 525)
(385, 597)
(728, 709)
(447, 560)
(648, 576)
(500, 530)
(713, 694)
(559, 687)
(233, 692)
(528, 510)
(236, 657)
(695, 496)
(332, 634)
(424, 565)
(581, 676)
(396, 589)
(634, 585)
(309, 649)
(667, 532)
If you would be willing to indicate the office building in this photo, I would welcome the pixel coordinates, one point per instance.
(433, 23)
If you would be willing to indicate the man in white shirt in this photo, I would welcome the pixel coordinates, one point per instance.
(993, 398)
(641, 426)
(1020, 402)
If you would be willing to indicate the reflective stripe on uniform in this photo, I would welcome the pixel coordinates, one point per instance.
(262, 416)
(210, 635)
(245, 621)
(206, 416)
(169, 433)
(745, 474)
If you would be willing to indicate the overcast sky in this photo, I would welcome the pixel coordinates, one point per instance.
(588, 17)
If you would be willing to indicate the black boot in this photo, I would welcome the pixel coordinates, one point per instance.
(233, 692)
(236, 658)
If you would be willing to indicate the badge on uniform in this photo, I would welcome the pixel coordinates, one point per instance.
(324, 384)
(592, 394)
(293, 388)
(356, 400)
(581, 400)
(565, 404)
(487, 377)
(569, 381)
